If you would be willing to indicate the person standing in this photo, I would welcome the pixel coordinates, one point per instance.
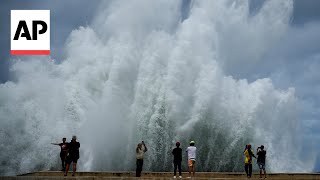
(261, 160)
(63, 152)
(177, 158)
(248, 160)
(73, 155)
(191, 150)
(140, 150)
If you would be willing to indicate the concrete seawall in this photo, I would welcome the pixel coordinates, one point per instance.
(53, 175)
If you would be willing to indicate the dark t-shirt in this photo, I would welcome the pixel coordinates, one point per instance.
(64, 147)
(74, 149)
(261, 156)
(177, 154)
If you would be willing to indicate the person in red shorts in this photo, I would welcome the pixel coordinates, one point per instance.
(191, 151)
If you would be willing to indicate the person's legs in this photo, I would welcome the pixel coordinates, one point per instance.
(189, 167)
(179, 168)
(67, 169)
(246, 168)
(250, 170)
(63, 159)
(193, 169)
(264, 169)
(74, 168)
(175, 164)
(260, 167)
(62, 163)
(68, 162)
(139, 167)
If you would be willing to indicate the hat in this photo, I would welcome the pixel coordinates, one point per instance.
(74, 137)
(192, 142)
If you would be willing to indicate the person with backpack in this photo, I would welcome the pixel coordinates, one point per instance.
(177, 158)
(261, 160)
(248, 160)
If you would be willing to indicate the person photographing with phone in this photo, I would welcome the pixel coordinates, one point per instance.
(140, 150)
(261, 160)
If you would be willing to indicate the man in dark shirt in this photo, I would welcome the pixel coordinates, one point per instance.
(63, 152)
(261, 160)
(177, 158)
(73, 155)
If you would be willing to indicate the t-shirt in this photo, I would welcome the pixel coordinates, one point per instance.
(64, 147)
(140, 152)
(74, 149)
(191, 150)
(248, 153)
(261, 156)
(177, 154)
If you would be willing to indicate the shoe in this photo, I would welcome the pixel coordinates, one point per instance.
(180, 177)
(174, 177)
(65, 175)
(189, 177)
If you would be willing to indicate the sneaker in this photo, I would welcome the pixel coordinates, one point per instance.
(174, 177)
(189, 177)
(180, 177)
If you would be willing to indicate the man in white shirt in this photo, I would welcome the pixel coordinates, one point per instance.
(191, 150)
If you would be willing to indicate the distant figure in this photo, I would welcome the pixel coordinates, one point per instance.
(261, 160)
(191, 150)
(63, 152)
(248, 160)
(140, 150)
(177, 158)
(73, 155)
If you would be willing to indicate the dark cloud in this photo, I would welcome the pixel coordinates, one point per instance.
(306, 11)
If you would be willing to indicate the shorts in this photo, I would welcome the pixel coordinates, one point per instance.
(191, 162)
(70, 159)
(261, 165)
(63, 155)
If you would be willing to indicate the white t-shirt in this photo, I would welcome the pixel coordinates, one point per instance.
(140, 152)
(191, 152)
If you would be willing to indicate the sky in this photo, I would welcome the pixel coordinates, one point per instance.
(298, 65)
(69, 15)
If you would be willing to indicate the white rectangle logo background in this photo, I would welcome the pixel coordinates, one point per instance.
(43, 40)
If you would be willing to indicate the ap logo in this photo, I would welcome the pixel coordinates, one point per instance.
(30, 32)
